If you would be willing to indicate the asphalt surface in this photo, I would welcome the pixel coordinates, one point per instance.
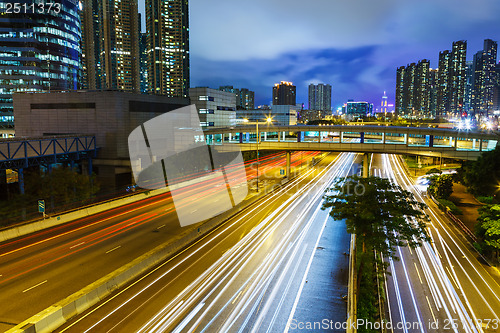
(250, 275)
(40, 269)
(444, 286)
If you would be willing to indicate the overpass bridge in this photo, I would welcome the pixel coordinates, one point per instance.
(20, 153)
(423, 141)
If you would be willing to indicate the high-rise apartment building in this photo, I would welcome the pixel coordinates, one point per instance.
(143, 62)
(284, 93)
(484, 78)
(457, 78)
(469, 85)
(452, 80)
(443, 93)
(496, 90)
(39, 52)
(320, 98)
(412, 89)
(111, 44)
(433, 91)
(421, 90)
(245, 99)
(167, 26)
(400, 76)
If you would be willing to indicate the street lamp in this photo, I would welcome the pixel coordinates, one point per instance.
(269, 120)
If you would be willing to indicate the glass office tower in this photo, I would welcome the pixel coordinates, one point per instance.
(39, 50)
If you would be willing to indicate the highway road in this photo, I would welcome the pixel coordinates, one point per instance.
(249, 275)
(42, 268)
(443, 286)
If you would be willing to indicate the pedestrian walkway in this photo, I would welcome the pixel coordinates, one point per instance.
(322, 298)
(467, 204)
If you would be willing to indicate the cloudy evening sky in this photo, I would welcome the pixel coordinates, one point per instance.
(355, 45)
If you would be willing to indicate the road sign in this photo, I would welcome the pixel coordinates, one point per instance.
(282, 172)
(41, 206)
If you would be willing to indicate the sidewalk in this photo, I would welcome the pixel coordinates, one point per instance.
(467, 203)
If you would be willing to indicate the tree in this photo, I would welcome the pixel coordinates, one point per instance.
(441, 186)
(381, 215)
(488, 228)
(482, 176)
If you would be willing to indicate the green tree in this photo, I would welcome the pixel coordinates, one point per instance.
(381, 215)
(488, 228)
(482, 177)
(441, 186)
(61, 186)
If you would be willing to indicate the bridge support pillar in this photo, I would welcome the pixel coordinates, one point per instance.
(241, 138)
(406, 138)
(473, 143)
(20, 174)
(480, 144)
(366, 166)
(431, 141)
(299, 136)
(362, 137)
(265, 136)
(288, 160)
(341, 137)
(284, 136)
(383, 138)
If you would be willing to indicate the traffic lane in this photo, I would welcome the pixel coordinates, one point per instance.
(133, 314)
(468, 310)
(36, 242)
(72, 272)
(479, 283)
(42, 252)
(266, 301)
(76, 268)
(410, 299)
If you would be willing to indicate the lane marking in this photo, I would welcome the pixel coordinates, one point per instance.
(430, 307)
(36, 285)
(161, 226)
(77, 245)
(116, 248)
(418, 273)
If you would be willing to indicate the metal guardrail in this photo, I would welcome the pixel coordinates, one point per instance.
(352, 301)
(24, 152)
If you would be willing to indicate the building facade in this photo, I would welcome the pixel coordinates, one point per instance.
(320, 98)
(167, 26)
(283, 115)
(245, 99)
(108, 115)
(111, 44)
(358, 110)
(284, 93)
(484, 78)
(38, 52)
(413, 90)
(216, 108)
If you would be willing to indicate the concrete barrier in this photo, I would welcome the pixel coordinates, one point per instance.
(30, 227)
(57, 314)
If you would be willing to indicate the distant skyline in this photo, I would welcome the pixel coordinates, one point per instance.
(355, 46)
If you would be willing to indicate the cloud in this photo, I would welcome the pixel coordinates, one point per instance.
(355, 45)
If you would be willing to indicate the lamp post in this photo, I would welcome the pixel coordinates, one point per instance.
(268, 121)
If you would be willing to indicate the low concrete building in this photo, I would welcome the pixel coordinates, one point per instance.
(285, 115)
(109, 115)
(216, 108)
